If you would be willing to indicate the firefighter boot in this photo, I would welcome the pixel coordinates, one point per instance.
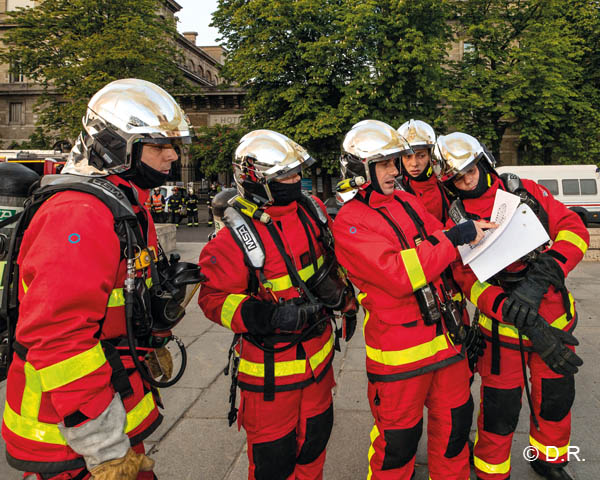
(550, 471)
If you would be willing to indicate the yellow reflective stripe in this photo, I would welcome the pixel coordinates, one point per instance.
(503, 467)
(71, 369)
(413, 267)
(32, 429)
(2, 265)
(476, 290)
(285, 282)
(374, 435)
(117, 298)
(140, 412)
(229, 308)
(360, 297)
(32, 393)
(408, 355)
(513, 332)
(25, 287)
(321, 355)
(282, 369)
(544, 449)
(573, 238)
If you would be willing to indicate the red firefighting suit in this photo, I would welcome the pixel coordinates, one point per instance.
(71, 297)
(431, 194)
(409, 364)
(286, 436)
(500, 367)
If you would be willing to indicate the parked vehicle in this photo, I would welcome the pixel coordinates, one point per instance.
(42, 162)
(577, 186)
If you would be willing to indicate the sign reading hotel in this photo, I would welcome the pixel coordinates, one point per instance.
(231, 119)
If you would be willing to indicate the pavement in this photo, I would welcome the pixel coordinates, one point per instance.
(194, 441)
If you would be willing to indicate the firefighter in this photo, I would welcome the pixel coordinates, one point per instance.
(76, 405)
(274, 281)
(157, 205)
(395, 253)
(191, 205)
(527, 315)
(175, 205)
(416, 169)
(212, 192)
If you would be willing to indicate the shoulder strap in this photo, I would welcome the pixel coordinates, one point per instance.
(245, 235)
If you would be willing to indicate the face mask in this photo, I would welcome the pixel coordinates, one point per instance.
(144, 176)
(285, 193)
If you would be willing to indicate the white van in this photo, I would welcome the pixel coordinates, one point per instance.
(577, 186)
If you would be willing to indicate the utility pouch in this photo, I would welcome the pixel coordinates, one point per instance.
(428, 306)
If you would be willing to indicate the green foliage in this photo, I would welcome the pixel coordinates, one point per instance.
(524, 72)
(75, 47)
(213, 150)
(313, 68)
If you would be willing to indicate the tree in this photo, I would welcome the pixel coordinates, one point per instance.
(288, 56)
(214, 149)
(523, 71)
(75, 47)
(313, 68)
(398, 51)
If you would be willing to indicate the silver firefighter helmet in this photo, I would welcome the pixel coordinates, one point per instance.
(456, 153)
(263, 156)
(368, 142)
(418, 134)
(119, 117)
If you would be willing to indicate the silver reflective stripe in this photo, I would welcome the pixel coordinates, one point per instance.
(318, 210)
(239, 226)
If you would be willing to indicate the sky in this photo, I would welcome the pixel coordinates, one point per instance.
(195, 17)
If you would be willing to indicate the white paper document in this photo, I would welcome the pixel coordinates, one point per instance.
(519, 232)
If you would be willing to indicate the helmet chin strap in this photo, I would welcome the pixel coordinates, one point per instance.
(374, 182)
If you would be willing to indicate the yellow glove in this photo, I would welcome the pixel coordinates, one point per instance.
(125, 468)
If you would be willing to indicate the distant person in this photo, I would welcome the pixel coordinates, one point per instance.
(175, 205)
(211, 196)
(157, 206)
(191, 205)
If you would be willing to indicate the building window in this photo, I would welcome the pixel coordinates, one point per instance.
(15, 113)
(16, 74)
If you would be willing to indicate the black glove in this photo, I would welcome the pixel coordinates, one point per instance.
(550, 343)
(474, 346)
(263, 318)
(522, 306)
(349, 324)
(294, 314)
(462, 233)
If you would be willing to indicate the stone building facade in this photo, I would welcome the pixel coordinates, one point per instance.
(201, 67)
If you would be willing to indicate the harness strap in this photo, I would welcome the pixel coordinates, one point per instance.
(119, 377)
(495, 348)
